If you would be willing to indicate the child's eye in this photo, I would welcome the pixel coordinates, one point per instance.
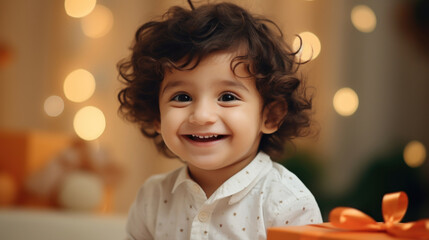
(181, 98)
(227, 97)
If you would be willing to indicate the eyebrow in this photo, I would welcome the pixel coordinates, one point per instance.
(171, 84)
(229, 83)
(234, 84)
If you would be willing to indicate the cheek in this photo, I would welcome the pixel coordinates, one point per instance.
(168, 132)
(171, 120)
(246, 119)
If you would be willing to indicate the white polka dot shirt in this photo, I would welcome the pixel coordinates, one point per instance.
(261, 195)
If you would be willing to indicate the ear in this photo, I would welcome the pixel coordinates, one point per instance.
(272, 116)
(157, 126)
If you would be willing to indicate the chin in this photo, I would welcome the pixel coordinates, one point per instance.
(206, 164)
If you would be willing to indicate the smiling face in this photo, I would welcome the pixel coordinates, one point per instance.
(210, 118)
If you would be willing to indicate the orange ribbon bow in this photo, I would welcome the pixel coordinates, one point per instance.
(394, 206)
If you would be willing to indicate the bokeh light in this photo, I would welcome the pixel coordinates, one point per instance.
(414, 154)
(54, 106)
(98, 23)
(345, 101)
(363, 18)
(310, 48)
(79, 85)
(79, 8)
(89, 123)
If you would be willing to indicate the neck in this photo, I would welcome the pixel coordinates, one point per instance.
(211, 180)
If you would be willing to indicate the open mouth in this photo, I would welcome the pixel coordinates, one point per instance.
(205, 138)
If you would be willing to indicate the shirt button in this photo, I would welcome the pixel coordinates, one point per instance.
(203, 216)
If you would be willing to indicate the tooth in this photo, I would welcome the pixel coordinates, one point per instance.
(204, 136)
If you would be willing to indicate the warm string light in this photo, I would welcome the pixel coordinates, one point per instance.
(79, 8)
(53, 106)
(414, 154)
(308, 47)
(89, 123)
(363, 18)
(79, 85)
(98, 23)
(346, 102)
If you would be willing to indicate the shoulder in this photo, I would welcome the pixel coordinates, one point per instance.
(281, 180)
(157, 185)
(142, 214)
(287, 200)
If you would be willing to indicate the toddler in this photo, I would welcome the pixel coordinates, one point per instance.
(216, 87)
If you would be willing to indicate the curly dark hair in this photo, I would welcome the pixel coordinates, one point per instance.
(186, 36)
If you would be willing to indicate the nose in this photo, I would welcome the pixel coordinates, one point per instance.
(203, 113)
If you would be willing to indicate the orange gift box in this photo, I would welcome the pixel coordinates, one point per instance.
(351, 224)
(325, 231)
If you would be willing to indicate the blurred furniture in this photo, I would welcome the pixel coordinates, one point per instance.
(22, 153)
(20, 224)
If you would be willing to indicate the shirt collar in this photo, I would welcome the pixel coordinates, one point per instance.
(182, 177)
(239, 184)
(242, 182)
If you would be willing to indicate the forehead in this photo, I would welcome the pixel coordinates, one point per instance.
(222, 65)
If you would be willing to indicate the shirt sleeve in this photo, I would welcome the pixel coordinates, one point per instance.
(141, 217)
(301, 211)
(290, 202)
(136, 227)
